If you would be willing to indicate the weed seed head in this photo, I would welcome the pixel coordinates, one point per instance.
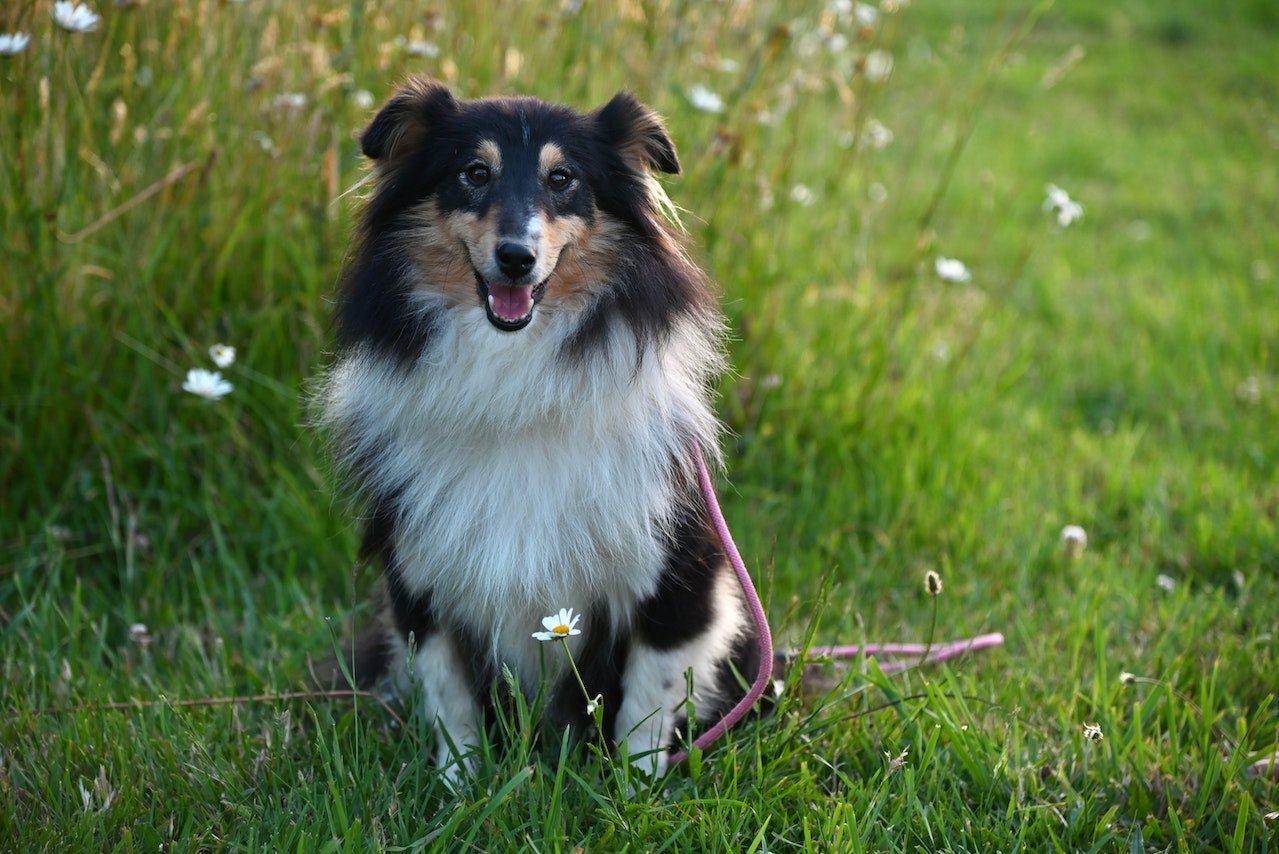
(932, 582)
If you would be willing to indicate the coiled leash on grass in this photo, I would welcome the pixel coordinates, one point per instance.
(924, 654)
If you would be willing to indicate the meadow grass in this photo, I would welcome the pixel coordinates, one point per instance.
(158, 194)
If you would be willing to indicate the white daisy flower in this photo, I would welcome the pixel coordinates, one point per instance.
(876, 135)
(1166, 583)
(289, 101)
(953, 270)
(561, 625)
(417, 47)
(802, 194)
(222, 355)
(1093, 732)
(1074, 539)
(1059, 202)
(878, 65)
(865, 14)
(705, 100)
(140, 634)
(207, 384)
(75, 17)
(13, 43)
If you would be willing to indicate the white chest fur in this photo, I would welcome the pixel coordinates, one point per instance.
(526, 481)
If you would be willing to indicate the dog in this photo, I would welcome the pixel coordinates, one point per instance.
(524, 353)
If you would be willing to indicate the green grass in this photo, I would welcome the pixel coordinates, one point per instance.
(1121, 374)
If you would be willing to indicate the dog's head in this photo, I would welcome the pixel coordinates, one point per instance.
(514, 205)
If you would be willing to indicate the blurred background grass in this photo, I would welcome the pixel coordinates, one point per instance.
(175, 178)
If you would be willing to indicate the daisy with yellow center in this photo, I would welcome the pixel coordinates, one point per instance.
(559, 626)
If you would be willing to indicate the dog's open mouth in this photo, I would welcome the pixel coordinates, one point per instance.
(509, 307)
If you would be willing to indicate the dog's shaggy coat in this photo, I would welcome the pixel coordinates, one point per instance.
(524, 353)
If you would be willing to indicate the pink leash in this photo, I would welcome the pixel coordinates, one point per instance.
(925, 653)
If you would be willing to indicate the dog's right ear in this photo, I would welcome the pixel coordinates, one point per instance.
(407, 118)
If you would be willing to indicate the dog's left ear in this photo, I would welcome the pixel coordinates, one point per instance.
(638, 132)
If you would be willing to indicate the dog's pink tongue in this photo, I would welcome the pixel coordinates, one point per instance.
(511, 303)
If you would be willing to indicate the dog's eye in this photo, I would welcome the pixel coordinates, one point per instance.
(559, 179)
(477, 174)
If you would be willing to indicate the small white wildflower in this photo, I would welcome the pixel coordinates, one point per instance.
(865, 15)
(1059, 202)
(876, 136)
(75, 17)
(207, 384)
(837, 43)
(705, 100)
(264, 142)
(779, 688)
(729, 66)
(222, 355)
(417, 47)
(1074, 539)
(1126, 678)
(13, 43)
(1166, 583)
(952, 270)
(802, 194)
(289, 101)
(593, 704)
(363, 98)
(139, 634)
(878, 66)
(561, 625)
(1249, 391)
(1093, 732)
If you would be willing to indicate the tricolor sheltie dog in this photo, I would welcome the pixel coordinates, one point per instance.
(524, 352)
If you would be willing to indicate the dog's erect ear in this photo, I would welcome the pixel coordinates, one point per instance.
(638, 132)
(407, 118)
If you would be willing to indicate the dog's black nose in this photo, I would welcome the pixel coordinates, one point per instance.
(515, 259)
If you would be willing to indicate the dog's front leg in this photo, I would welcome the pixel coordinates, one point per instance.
(449, 701)
(677, 634)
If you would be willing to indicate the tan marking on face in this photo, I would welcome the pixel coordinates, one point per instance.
(443, 248)
(490, 153)
(440, 265)
(587, 252)
(548, 158)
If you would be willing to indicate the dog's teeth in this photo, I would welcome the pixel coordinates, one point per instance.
(490, 300)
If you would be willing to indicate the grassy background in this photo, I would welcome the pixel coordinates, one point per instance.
(156, 195)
